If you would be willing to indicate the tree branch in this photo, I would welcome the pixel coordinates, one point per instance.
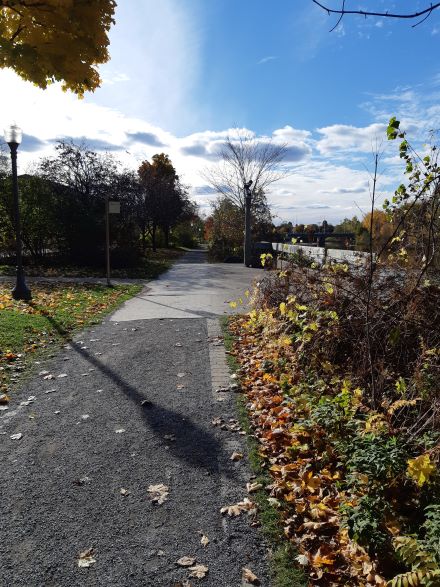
(426, 12)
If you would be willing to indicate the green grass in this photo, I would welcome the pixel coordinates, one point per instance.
(283, 571)
(31, 330)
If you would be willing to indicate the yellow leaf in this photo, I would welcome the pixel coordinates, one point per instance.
(420, 469)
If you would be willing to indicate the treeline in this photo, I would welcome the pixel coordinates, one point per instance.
(62, 205)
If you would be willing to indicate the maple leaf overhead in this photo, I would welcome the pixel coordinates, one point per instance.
(49, 41)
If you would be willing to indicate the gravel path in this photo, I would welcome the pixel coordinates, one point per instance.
(88, 434)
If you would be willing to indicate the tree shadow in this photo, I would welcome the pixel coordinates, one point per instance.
(191, 444)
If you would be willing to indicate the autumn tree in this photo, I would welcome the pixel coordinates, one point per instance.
(162, 199)
(378, 225)
(51, 40)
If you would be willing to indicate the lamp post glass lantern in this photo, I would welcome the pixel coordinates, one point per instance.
(13, 136)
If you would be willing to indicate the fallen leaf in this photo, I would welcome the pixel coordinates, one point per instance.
(43, 373)
(50, 376)
(251, 487)
(204, 541)
(180, 386)
(61, 375)
(236, 456)
(4, 399)
(235, 510)
(17, 436)
(85, 417)
(124, 491)
(86, 558)
(179, 344)
(158, 493)
(250, 577)
(50, 391)
(302, 560)
(198, 571)
(186, 561)
(120, 430)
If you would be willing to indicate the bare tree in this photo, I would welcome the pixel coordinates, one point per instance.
(247, 167)
(342, 11)
(245, 158)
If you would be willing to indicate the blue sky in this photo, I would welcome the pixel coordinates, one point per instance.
(184, 73)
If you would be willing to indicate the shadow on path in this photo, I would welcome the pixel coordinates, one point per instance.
(192, 444)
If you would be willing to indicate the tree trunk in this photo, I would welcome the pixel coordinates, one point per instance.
(153, 236)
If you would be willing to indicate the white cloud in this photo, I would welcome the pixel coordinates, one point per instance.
(319, 186)
(343, 137)
(267, 59)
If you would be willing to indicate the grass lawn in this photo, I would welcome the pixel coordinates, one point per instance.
(29, 329)
(149, 267)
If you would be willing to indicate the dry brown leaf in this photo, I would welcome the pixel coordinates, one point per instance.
(250, 577)
(198, 571)
(158, 493)
(251, 487)
(204, 541)
(238, 508)
(86, 558)
(186, 561)
(237, 456)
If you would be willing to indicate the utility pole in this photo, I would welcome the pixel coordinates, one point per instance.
(247, 224)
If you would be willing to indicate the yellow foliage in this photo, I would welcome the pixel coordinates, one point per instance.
(56, 40)
(402, 403)
(420, 469)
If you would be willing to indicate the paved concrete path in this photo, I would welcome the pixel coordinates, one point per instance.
(192, 288)
(131, 404)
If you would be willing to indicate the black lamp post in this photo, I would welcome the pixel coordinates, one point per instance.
(13, 137)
